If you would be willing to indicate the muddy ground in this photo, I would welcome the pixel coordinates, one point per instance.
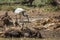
(48, 25)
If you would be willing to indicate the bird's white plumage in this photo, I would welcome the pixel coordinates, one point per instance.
(18, 10)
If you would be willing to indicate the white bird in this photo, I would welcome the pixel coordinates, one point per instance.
(18, 10)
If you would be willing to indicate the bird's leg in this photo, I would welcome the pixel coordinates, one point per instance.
(15, 21)
(28, 18)
(20, 18)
